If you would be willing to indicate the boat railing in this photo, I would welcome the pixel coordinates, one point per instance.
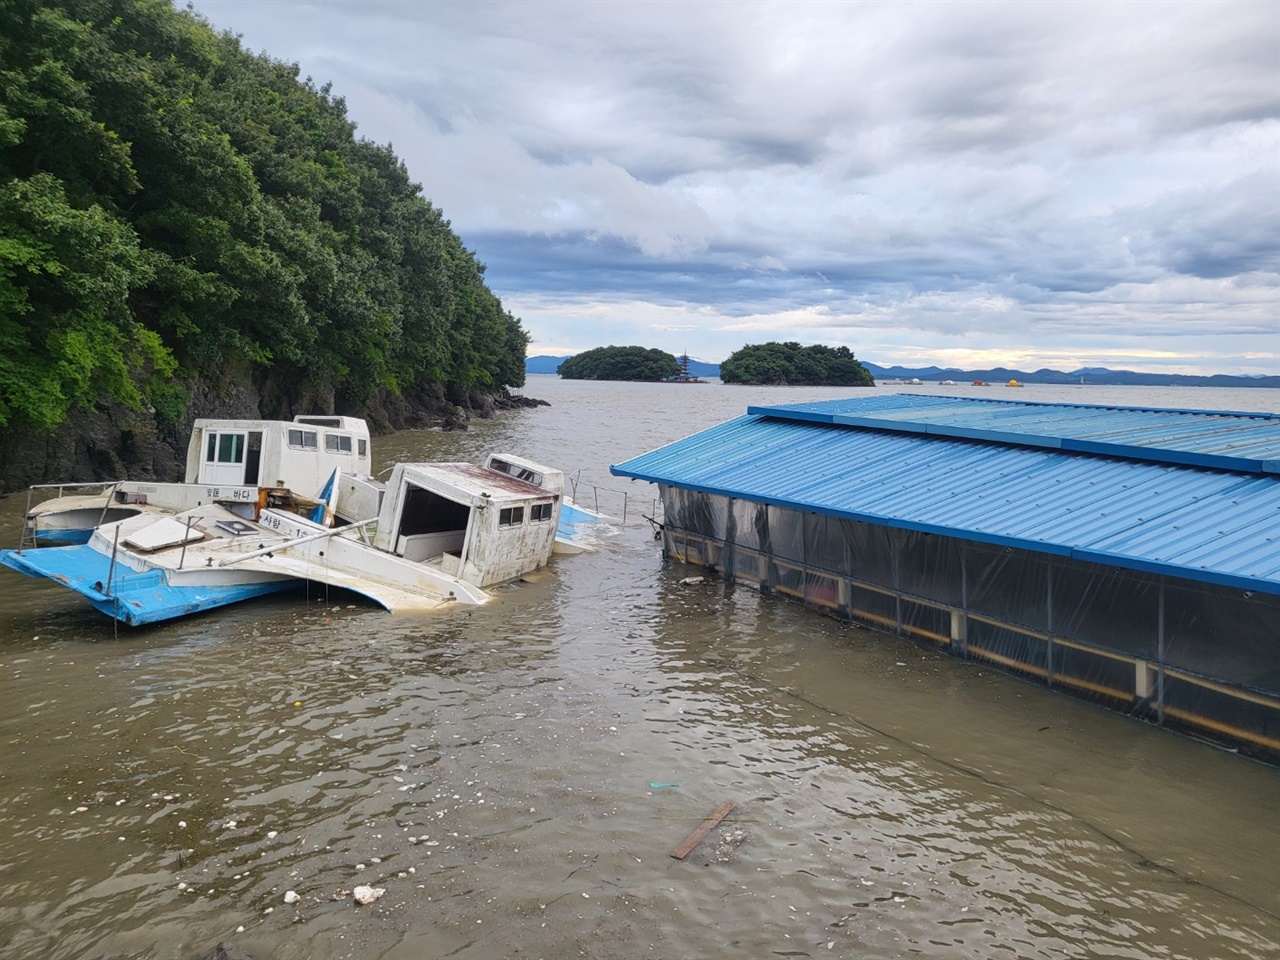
(297, 541)
(607, 500)
(28, 537)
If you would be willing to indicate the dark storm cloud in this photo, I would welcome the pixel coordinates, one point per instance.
(1217, 233)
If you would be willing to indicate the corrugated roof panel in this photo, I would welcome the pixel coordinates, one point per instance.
(1203, 524)
(1218, 439)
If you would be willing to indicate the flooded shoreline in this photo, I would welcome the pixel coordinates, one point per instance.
(515, 777)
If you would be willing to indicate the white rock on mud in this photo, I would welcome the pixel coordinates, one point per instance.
(366, 895)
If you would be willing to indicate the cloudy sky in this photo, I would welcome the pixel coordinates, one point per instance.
(1030, 184)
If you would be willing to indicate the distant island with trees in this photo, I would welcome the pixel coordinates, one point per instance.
(766, 363)
(793, 365)
(620, 363)
(1093, 376)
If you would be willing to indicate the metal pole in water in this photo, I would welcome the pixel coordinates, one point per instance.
(22, 541)
(112, 568)
(1160, 656)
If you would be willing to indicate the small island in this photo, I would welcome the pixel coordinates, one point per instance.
(620, 363)
(789, 364)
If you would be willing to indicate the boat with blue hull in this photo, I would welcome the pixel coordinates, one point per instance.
(134, 597)
(434, 534)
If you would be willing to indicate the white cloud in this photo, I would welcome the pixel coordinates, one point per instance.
(1050, 180)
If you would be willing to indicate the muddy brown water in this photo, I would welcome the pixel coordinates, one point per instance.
(516, 776)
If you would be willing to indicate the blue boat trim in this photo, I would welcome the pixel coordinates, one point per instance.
(570, 518)
(132, 597)
(62, 537)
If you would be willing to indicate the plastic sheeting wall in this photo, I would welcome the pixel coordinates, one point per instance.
(1179, 653)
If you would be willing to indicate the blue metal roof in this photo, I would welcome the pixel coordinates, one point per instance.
(1227, 440)
(1216, 525)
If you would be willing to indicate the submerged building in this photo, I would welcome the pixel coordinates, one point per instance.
(1130, 556)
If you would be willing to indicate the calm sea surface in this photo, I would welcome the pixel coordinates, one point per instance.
(516, 776)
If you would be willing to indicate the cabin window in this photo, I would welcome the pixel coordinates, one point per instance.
(510, 516)
(320, 421)
(520, 473)
(362, 448)
(540, 512)
(303, 439)
(337, 443)
(226, 448)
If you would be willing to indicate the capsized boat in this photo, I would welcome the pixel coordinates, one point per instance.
(433, 534)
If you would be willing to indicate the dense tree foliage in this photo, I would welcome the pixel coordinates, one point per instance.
(172, 204)
(790, 363)
(620, 363)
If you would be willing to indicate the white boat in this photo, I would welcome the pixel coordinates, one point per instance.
(228, 461)
(239, 527)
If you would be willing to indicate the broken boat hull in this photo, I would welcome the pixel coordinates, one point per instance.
(135, 597)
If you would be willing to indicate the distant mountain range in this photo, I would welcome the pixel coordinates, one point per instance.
(1095, 375)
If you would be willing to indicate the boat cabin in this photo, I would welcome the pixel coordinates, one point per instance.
(300, 454)
(482, 524)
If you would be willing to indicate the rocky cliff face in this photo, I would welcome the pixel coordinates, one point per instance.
(114, 443)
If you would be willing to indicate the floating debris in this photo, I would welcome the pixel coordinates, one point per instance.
(366, 895)
(729, 841)
(707, 825)
(291, 897)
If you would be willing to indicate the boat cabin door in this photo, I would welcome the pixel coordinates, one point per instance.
(231, 457)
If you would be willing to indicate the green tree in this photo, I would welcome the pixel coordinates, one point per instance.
(790, 363)
(620, 363)
(172, 204)
(66, 332)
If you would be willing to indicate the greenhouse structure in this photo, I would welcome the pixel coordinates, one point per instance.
(1130, 556)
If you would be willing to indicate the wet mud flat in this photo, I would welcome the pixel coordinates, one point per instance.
(516, 778)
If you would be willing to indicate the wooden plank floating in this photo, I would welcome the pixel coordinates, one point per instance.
(707, 825)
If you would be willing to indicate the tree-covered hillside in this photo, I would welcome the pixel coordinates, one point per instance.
(790, 363)
(620, 363)
(176, 209)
